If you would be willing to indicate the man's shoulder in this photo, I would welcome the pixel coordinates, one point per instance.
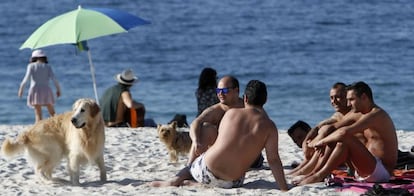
(216, 107)
(352, 115)
(337, 116)
(378, 112)
(213, 110)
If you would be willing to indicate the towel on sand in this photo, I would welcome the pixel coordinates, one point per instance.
(402, 183)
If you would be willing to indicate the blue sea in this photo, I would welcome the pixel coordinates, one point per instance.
(298, 48)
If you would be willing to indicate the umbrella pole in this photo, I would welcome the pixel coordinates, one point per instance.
(93, 76)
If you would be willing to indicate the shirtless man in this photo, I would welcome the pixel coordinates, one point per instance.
(337, 96)
(373, 158)
(298, 131)
(242, 135)
(203, 130)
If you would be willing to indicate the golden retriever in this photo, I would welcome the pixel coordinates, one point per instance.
(78, 135)
(177, 142)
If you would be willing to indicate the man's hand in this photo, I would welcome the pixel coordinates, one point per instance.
(317, 144)
(307, 151)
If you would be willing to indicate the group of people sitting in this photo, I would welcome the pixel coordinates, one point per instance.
(359, 135)
(302, 134)
(229, 136)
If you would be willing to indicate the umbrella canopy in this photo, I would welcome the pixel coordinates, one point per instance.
(80, 25)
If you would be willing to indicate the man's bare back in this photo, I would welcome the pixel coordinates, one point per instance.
(203, 130)
(240, 132)
(242, 135)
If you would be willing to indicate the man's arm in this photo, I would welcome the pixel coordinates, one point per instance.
(347, 120)
(309, 137)
(328, 121)
(314, 133)
(273, 159)
(357, 126)
(211, 115)
(127, 99)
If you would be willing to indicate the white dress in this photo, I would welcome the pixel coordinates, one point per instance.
(40, 92)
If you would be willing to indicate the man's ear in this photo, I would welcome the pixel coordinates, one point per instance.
(364, 96)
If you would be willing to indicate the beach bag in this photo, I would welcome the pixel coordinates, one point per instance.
(135, 117)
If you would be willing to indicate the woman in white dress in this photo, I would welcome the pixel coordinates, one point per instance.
(40, 94)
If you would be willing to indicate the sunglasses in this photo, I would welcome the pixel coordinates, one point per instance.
(222, 90)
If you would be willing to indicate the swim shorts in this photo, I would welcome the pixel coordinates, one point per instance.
(380, 174)
(202, 174)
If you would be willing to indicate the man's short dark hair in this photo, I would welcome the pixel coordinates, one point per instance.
(361, 88)
(299, 124)
(256, 93)
(339, 85)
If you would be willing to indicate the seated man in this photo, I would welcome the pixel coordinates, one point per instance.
(117, 103)
(242, 135)
(337, 96)
(203, 130)
(374, 157)
(298, 132)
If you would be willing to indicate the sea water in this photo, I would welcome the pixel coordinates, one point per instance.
(298, 48)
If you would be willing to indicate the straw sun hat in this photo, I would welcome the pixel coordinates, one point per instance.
(126, 77)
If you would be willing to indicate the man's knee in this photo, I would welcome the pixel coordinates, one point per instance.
(338, 145)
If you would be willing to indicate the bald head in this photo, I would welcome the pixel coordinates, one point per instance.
(228, 89)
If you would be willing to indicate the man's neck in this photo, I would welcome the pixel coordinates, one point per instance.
(369, 108)
(345, 111)
(235, 103)
(249, 106)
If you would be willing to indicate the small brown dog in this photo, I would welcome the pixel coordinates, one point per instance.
(177, 142)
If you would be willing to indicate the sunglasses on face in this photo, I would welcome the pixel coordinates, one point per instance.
(222, 90)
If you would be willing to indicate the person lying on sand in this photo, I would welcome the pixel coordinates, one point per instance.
(242, 135)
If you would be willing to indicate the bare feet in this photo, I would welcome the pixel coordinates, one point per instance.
(293, 173)
(190, 183)
(170, 183)
(161, 184)
(297, 179)
(311, 179)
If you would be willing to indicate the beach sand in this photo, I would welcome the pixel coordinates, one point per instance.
(135, 156)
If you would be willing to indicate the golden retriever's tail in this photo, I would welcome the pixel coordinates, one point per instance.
(12, 148)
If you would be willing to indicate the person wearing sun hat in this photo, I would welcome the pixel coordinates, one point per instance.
(117, 102)
(40, 94)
